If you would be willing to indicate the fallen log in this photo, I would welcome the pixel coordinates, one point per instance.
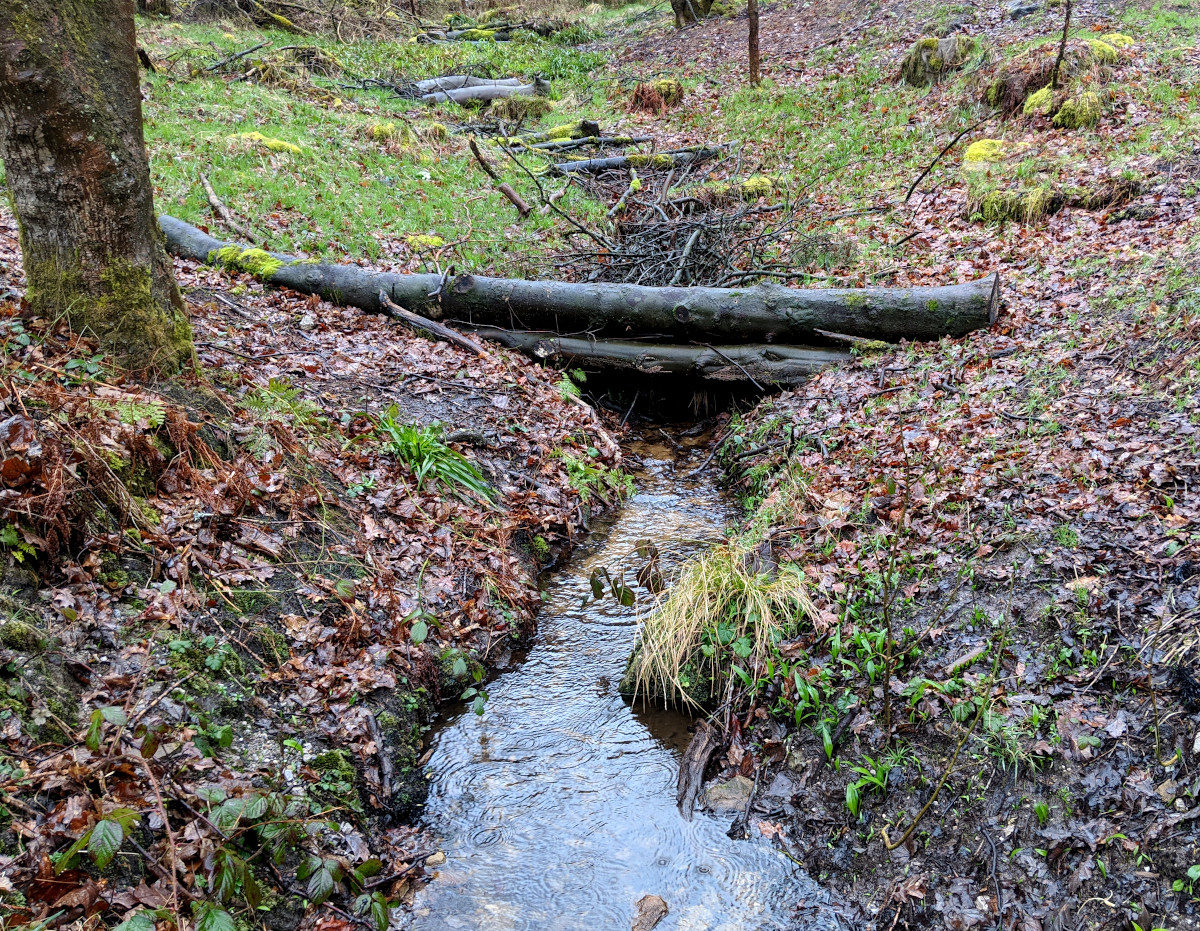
(560, 145)
(576, 130)
(486, 92)
(662, 160)
(761, 313)
(452, 82)
(760, 365)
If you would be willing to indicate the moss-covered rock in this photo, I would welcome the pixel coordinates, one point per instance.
(1039, 103)
(18, 634)
(1102, 52)
(1023, 205)
(1080, 111)
(929, 58)
(1118, 40)
(670, 90)
(984, 151)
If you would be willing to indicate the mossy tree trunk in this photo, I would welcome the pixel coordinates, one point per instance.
(690, 11)
(75, 162)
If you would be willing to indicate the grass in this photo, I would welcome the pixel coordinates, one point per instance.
(723, 613)
(347, 193)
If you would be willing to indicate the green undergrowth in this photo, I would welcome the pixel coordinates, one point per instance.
(305, 165)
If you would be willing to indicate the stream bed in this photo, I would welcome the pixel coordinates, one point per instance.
(556, 807)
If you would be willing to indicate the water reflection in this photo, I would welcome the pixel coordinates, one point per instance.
(556, 808)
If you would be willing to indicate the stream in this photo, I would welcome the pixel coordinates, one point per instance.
(556, 807)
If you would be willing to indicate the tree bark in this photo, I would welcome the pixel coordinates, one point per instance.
(689, 11)
(75, 162)
(758, 365)
(762, 313)
(752, 43)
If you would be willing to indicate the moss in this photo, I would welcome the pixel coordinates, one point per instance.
(1102, 52)
(272, 645)
(381, 131)
(251, 602)
(541, 548)
(984, 151)
(478, 35)
(111, 575)
(670, 90)
(435, 131)
(855, 300)
(337, 777)
(661, 160)
(17, 634)
(258, 262)
(1027, 205)
(142, 325)
(1079, 112)
(756, 186)
(425, 242)
(1039, 102)
(256, 140)
(1117, 40)
(721, 8)
(520, 108)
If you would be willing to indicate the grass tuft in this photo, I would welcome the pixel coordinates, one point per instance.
(724, 612)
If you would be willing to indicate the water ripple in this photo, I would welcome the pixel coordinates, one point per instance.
(556, 807)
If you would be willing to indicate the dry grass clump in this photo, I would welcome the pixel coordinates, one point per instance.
(726, 609)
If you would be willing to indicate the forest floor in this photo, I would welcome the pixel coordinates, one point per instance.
(288, 544)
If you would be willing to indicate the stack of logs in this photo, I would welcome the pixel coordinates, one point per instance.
(757, 335)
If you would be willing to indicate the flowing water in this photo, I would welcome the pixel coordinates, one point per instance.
(556, 807)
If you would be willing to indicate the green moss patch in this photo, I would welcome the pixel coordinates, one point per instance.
(930, 58)
(984, 151)
(1079, 112)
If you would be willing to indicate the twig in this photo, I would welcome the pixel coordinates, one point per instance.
(232, 58)
(1062, 49)
(503, 187)
(223, 213)
(429, 327)
(987, 700)
(951, 145)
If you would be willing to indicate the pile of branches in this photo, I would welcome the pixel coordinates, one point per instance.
(346, 19)
(680, 228)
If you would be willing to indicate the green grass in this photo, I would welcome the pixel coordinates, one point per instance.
(345, 193)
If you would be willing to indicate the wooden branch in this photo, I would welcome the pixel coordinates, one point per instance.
(502, 186)
(223, 213)
(426, 327)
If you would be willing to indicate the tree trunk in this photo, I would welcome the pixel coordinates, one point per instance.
(75, 162)
(689, 11)
(752, 44)
(763, 313)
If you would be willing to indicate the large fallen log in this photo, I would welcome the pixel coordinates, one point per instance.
(452, 82)
(761, 313)
(485, 92)
(757, 364)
